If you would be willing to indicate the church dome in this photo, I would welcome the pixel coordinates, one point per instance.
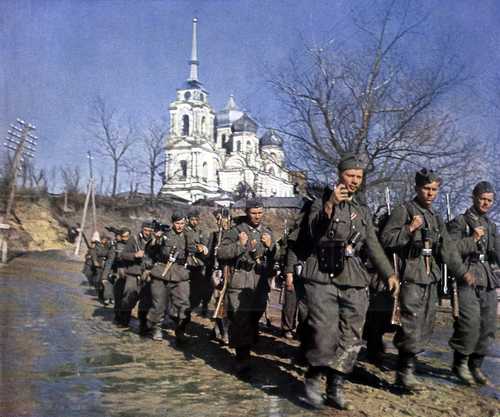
(244, 124)
(230, 113)
(271, 138)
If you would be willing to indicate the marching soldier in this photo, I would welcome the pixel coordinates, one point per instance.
(418, 235)
(118, 270)
(200, 291)
(134, 290)
(474, 330)
(249, 248)
(335, 281)
(177, 249)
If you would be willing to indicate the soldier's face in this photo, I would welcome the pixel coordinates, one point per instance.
(125, 237)
(178, 226)
(352, 179)
(146, 231)
(194, 221)
(484, 202)
(255, 215)
(426, 194)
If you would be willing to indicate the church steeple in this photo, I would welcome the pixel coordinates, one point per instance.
(193, 63)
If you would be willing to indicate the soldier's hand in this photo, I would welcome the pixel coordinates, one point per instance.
(139, 254)
(470, 279)
(289, 281)
(416, 223)
(266, 240)
(253, 244)
(201, 248)
(393, 284)
(479, 232)
(243, 238)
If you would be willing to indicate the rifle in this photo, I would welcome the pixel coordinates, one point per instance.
(172, 257)
(396, 308)
(85, 240)
(454, 287)
(219, 309)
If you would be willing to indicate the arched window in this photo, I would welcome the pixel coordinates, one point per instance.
(249, 146)
(238, 146)
(204, 172)
(203, 125)
(185, 125)
(184, 169)
(187, 95)
(223, 140)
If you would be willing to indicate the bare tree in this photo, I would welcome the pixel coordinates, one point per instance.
(153, 140)
(112, 138)
(71, 176)
(373, 102)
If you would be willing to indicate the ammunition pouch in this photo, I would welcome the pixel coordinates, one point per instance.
(331, 256)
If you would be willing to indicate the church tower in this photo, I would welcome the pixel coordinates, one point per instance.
(192, 159)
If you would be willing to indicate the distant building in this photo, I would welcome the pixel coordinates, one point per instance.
(211, 154)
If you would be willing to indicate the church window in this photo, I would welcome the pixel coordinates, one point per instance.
(249, 146)
(238, 146)
(184, 169)
(187, 95)
(223, 139)
(204, 172)
(202, 97)
(185, 125)
(203, 125)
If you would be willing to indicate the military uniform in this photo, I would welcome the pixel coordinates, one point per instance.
(100, 256)
(474, 330)
(248, 286)
(200, 288)
(118, 270)
(134, 289)
(337, 300)
(173, 290)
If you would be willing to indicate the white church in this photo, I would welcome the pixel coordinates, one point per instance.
(212, 154)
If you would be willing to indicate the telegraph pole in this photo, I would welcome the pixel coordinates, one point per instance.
(90, 196)
(23, 143)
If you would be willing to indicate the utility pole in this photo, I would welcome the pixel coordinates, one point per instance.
(23, 143)
(90, 196)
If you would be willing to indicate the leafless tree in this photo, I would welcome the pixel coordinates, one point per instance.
(153, 140)
(71, 176)
(112, 138)
(373, 102)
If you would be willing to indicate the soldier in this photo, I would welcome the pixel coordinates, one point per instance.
(474, 330)
(179, 247)
(200, 291)
(336, 281)
(134, 289)
(418, 235)
(118, 269)
(248, 247)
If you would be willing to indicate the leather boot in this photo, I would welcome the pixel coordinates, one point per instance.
(335, 392)
(122, 318)
(242, 360)
(475, 362)
(144, 328)
(460, 368)
(312, 388)
(180, 332)
(157, 333)
(406, 372)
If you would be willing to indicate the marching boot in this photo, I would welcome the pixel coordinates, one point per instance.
(157, 333)
(406, 372)
(242, 360)
(144, 328)
(335, 392)
(475, 362)
(312, 388)
(180, 331)
(122, 318)
(460, 368)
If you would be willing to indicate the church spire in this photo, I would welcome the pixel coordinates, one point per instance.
(193, 63)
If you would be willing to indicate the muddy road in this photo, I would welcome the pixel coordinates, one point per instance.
(62, 356)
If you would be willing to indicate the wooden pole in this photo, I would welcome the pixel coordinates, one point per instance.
(84, 216)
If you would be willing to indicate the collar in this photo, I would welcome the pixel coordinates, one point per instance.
(422, 208)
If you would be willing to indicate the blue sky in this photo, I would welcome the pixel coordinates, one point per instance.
(56, 55)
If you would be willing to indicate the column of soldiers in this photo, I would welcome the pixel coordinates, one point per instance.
(330, 259)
